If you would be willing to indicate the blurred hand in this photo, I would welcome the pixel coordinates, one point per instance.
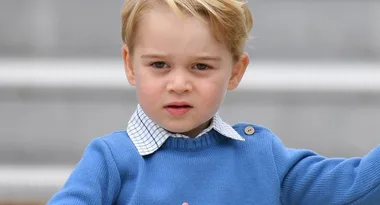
(185, 203)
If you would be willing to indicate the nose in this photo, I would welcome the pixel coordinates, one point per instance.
(179, 82)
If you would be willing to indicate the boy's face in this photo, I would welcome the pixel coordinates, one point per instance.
(181, 73)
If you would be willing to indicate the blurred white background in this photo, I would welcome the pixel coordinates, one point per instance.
(314, 80)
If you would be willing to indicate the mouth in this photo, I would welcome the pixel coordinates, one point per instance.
(178, 108)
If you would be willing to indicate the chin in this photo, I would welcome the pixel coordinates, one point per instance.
(178, 130)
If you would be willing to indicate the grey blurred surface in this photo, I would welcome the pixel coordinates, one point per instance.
(284, 30)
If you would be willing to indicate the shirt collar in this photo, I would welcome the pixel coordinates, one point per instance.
(148, 137)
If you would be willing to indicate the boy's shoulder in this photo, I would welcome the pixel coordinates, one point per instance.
(118, 143)
(248, 130)
(119, 138)
(115, 136)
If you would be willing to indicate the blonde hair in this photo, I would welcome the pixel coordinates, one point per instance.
(230, 20)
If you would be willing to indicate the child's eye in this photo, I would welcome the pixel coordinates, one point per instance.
(159, 64)
(201, 66)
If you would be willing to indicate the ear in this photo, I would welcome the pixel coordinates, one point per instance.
(238, 71)
(129, 72)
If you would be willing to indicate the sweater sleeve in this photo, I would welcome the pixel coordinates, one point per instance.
(95, 179)
(308, 178)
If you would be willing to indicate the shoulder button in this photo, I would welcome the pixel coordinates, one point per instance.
(249, 130)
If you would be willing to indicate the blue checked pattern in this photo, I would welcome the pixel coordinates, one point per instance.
(147, 136)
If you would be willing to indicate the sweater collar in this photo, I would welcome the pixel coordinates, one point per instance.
(148, 137)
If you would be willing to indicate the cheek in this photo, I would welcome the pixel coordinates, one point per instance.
(147, 87)
(214, 90)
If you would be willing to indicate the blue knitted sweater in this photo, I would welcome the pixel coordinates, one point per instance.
(213, 169)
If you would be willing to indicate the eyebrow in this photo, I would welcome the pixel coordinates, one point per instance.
(209, 58)
(206, 58)
(153, 56)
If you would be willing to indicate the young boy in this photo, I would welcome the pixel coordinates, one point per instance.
(182, 56)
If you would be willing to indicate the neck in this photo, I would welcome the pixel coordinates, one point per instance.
(196, 131)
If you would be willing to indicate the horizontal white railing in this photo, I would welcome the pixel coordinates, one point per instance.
(283, 76)
(26, 182)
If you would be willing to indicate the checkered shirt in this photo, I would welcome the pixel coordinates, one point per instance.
(148, 137)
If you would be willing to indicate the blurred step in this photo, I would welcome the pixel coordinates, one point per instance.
(26, 184)
(293, 29)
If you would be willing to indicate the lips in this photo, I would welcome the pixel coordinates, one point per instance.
(178, 108)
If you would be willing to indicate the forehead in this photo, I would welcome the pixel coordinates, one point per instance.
(160, 28)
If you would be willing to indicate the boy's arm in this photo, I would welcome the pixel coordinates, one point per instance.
(95, 180)
(307, 178)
